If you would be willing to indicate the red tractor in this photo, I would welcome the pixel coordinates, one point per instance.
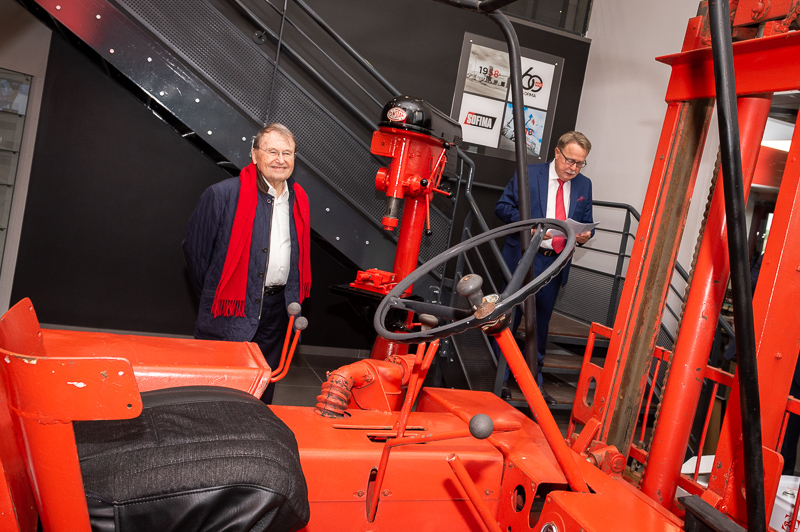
(136, 433)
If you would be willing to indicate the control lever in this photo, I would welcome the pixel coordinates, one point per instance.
(481, 427)
(299, 323)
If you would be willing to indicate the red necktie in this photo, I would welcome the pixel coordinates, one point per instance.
(559, 241)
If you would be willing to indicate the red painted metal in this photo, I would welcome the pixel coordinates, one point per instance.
(699, 323)
(366, 384)
(530, 470)
(540, 410)
(375, 280)
(45, 394)
(777, 340)
(286, 358)
(286, 341)
(793, 520)
(582, 407)
(753, 12)
(654, 251)
(472, 492)
(418, 488)
(764, 65)
(417, 163)
(50, 378)
(376, 490)
(523, 476)
(422, 362)
(161, 362)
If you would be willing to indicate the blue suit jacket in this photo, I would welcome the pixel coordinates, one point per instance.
(507, 209)
(206, 246)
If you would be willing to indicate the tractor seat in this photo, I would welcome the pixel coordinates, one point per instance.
(198, 458)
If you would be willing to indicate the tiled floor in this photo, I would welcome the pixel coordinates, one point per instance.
(308, 371)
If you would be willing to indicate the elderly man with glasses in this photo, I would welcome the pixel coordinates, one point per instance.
(247, 249)
(558, 189)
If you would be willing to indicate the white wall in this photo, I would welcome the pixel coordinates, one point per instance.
(622, 108)
(24, 47)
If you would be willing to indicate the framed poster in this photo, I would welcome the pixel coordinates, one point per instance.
(482, 100)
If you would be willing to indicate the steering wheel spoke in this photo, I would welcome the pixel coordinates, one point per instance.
(490, 308)
(423, 307)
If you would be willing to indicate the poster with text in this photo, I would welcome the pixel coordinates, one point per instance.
(483, 103)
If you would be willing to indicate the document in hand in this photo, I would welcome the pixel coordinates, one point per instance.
(578, 227)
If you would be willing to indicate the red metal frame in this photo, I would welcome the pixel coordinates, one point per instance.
(396, 467)
(696, 336)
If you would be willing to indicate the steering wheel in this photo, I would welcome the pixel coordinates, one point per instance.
(486, 310)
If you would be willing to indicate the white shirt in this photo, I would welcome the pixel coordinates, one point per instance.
(280, 239)
(552, 190)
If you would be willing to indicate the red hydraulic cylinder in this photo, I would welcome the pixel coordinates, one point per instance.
(775, 314)
(698, 326)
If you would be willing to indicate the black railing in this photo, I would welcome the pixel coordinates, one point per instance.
(280, 43)
(356, 101)
(596, 276)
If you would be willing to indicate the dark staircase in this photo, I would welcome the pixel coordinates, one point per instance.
(194, 64)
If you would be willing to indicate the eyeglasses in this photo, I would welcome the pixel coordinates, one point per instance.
(572, 162)
(275, 153)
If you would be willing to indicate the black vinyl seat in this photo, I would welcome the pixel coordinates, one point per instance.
(198, 458)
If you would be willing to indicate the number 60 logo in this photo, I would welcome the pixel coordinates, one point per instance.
(531, 82)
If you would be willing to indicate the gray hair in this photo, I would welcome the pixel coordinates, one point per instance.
(275, 127)
(578, 138)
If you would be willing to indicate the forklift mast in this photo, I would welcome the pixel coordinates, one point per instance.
(763, 56)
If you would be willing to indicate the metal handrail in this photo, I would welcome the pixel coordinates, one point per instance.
(349, 49)
(477, 217)
(365, 120)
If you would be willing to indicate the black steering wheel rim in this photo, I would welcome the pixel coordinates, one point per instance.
(463, 319)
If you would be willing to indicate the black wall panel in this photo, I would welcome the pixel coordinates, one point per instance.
(110, 192)
(416, 45)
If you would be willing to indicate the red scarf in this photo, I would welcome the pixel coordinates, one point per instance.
(231, 292)
(302, 224)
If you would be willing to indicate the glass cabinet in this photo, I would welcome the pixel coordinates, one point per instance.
(14, 91)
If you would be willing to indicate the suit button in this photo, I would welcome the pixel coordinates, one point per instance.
(261, 274)
(265, 250)
(257, 300)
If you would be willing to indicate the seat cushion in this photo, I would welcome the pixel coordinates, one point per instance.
(198, 458)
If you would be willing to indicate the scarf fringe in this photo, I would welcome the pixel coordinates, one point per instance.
(228, 307)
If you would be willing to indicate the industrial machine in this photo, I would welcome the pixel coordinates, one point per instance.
(397, 456)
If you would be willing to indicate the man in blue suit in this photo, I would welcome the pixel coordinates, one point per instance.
(545, 179)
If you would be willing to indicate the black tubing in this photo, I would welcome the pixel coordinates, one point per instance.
(725, 83)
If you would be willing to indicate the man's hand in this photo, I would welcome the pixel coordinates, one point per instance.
(581, 238)
(547, 235)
